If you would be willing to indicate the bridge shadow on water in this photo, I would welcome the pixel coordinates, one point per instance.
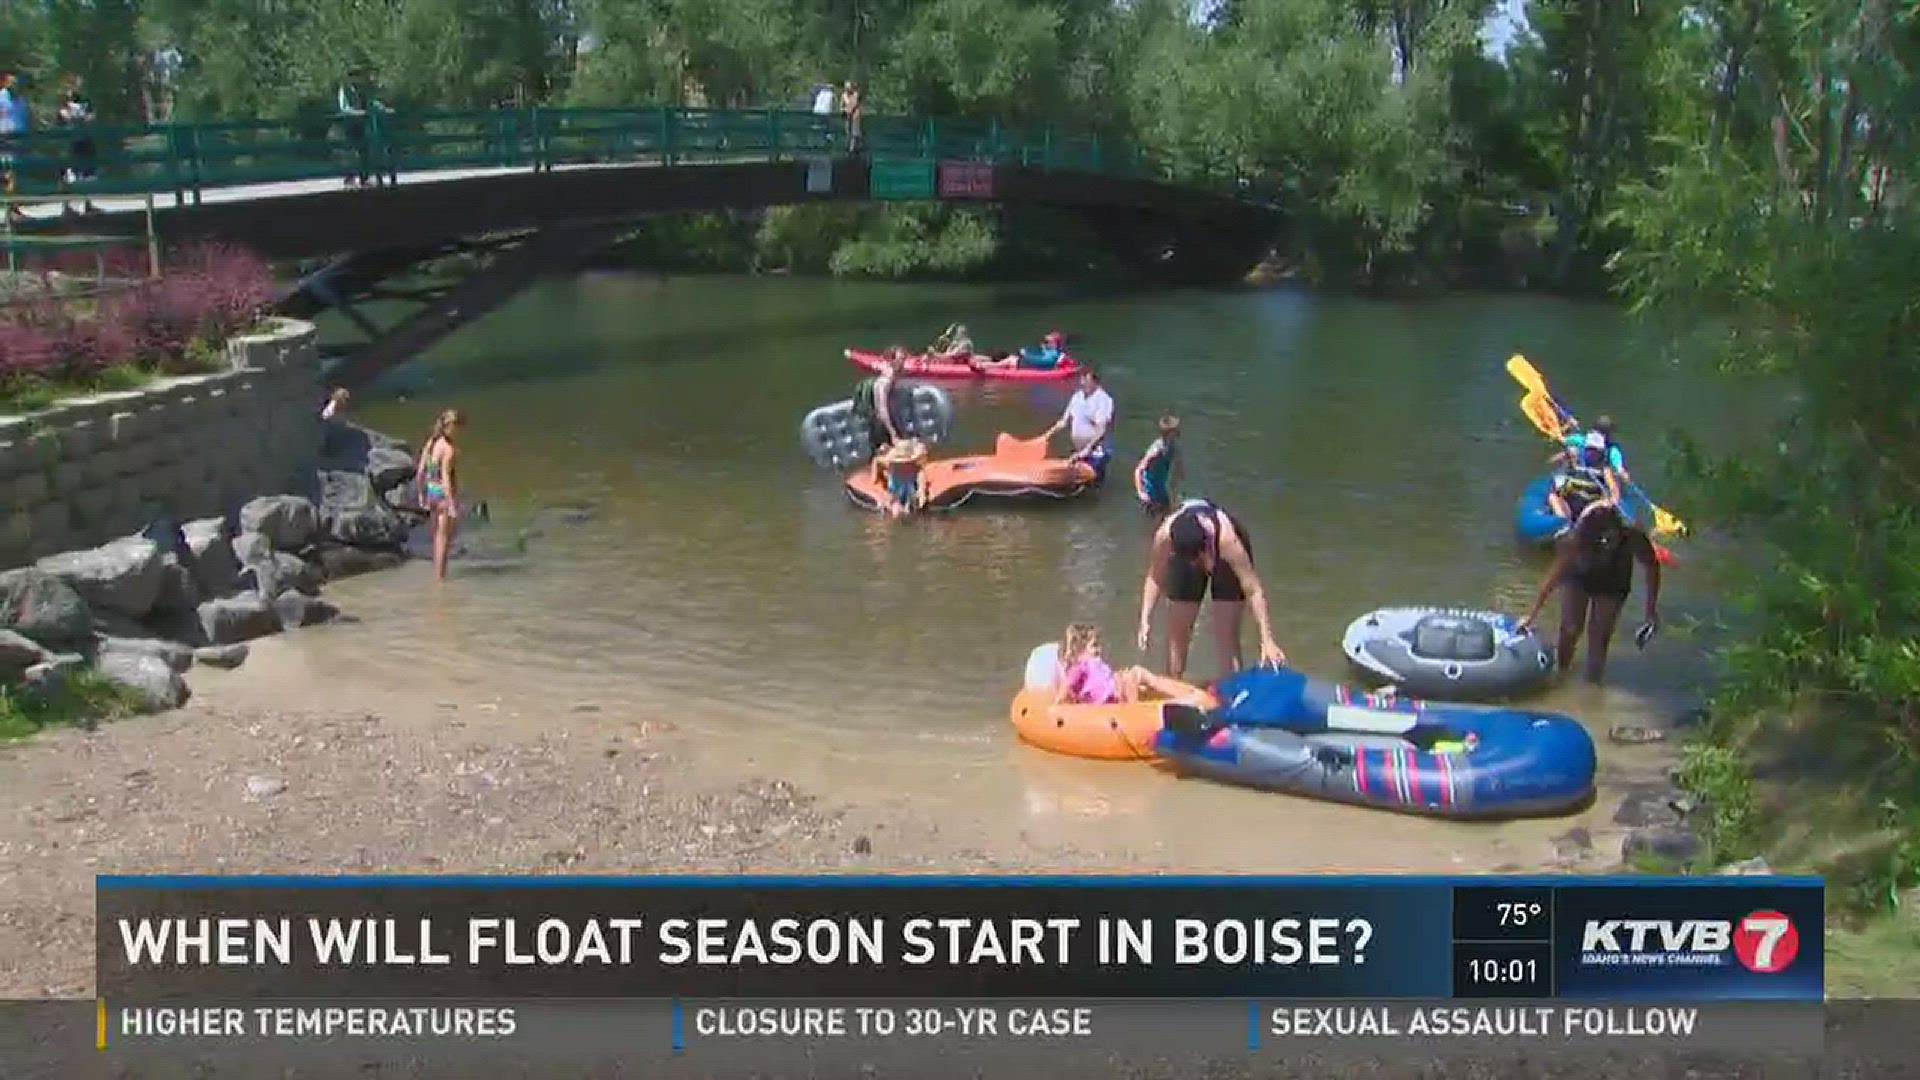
(480, 357)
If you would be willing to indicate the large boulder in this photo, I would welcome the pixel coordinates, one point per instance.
(340, 560)
(348, 446)
(237, 618)
(124, 576)
(18, 653)
(289, 522)
(151, 679)
(44, 608)
(222, 656)
(279, 573)
(352, 512)
(402, 497)
(171, 653)
(215, 568)
(388, 465)
(295, 610)
(179, 587)
(249, 547)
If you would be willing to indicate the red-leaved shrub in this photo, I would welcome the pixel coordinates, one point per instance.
(26, 352)
(207, 294)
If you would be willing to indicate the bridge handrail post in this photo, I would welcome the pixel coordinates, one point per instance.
(1046, 147)
(197, 167)
(1093, 153)
(668, 114)
(929, 138)
(377, 151)
(524, 137)
(773, 134)
(994, 135)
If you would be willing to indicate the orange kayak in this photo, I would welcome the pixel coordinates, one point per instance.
(1008, 473)
(1123, 732)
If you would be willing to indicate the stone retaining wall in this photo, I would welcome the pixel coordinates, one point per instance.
(91, 469)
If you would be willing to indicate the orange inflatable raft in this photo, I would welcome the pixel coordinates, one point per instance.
(1123, 732)
(1016, 469)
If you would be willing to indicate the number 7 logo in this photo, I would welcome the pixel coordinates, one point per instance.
(1766, 942)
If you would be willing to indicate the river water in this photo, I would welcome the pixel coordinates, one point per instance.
(727, 588)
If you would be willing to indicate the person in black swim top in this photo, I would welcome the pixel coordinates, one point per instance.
(1593, 571)
(1200, 550)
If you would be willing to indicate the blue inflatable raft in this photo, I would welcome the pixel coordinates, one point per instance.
(1281, 731)
(1534, 521)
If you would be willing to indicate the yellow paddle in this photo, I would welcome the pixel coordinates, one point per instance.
(1555, 423)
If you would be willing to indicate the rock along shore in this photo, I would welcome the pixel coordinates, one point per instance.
(141, 610)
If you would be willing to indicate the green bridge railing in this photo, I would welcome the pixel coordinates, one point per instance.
(185, 159)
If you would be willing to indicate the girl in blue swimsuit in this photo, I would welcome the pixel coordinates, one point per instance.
(436, 478)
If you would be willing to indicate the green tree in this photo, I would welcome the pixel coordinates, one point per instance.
(1787, 216)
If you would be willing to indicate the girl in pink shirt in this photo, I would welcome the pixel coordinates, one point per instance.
(1086, 678)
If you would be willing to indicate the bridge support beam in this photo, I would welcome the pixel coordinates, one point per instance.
(556, 249)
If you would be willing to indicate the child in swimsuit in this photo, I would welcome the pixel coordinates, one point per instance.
(903, 474)
(1085, 677)
(1155, 478)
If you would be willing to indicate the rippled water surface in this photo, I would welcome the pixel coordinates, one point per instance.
(726, 586)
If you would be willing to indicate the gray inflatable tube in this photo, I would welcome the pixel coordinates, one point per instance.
(836, 437)
(1449, 654)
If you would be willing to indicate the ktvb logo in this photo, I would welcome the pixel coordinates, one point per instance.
(1764, 942)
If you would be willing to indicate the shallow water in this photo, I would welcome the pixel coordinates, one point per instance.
(727, 587)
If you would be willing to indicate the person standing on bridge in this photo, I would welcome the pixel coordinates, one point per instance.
(76, 115)
(15, 125)
(357, 107)
(854, 110)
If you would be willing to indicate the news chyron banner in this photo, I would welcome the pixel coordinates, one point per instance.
(744, 970)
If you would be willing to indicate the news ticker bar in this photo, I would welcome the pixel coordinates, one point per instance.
(741, 1029)
(1625, 939)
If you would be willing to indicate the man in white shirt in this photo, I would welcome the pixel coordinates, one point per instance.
(823, 101)
(1089, 422)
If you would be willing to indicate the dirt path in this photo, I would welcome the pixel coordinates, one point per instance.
(279, 768)
(365, 786)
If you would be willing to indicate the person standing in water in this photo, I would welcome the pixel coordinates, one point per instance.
(873, 399)
(1201, 550)
(1158, 475)
(437, 478)
(1593, 571)
(1089, 421)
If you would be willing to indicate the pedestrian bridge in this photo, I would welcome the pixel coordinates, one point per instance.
(551, 185)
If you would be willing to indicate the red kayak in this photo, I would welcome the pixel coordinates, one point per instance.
(921, 367)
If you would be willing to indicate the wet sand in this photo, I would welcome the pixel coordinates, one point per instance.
(282, 767)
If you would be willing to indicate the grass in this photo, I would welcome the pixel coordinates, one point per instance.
(85, 699)
(1792, 788)
(29, 395)
(1879, 959)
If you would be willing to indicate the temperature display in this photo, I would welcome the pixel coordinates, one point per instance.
(1503, 913)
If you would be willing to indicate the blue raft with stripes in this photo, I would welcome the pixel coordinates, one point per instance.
(1281, 731)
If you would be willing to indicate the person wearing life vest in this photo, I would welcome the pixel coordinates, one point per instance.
(1044, 357)
(1587, 476)
(1576, 441)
